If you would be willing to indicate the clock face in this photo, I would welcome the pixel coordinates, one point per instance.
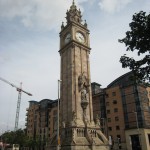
(80, 37)
(67, 38)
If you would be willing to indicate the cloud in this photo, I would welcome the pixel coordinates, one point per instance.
(4, 58)
(34, 13)
(43, 14)
(112, 6)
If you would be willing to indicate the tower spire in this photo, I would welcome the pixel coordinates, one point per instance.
(74, 15)
(73, 6)
(73, 3)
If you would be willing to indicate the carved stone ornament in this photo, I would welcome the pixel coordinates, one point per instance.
(97, 121)
(74, 118)
(63, 124)
(83, 84)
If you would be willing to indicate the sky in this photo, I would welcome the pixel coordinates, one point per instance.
(29, 45)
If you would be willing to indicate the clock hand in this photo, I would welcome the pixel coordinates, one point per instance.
(81, 38)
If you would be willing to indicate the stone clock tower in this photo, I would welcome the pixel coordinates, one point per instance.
(78, 131)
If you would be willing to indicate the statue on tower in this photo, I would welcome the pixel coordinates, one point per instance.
(83, 86)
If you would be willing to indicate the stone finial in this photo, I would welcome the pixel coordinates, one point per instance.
(62, 26)
(73, 2)
(85, 24)
(97, 121)
(73, 6)
(74, 118)
(63, 124)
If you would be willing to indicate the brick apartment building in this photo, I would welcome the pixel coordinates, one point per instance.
(124, 111)
(122, 106)
(41, 120)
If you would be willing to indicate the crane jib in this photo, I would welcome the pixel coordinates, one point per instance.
(19, 90)
(19, 99)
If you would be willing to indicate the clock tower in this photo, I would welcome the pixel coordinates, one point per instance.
(78, 130)
(75, 69)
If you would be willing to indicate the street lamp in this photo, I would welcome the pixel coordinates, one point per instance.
(58, 138)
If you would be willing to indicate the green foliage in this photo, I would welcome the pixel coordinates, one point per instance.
(138, 39)
(16, 137)
(20, 137)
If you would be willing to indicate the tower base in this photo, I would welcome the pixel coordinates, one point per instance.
(80, 138)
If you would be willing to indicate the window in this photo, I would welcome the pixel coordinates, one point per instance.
(117, 128)
(116, 118)
(54, 123)
(149, 138)
(109, 119)
(107, 95)
(107, 103)
(55, 112)
(113, 93)
(114, 101)
(108, 111)
(110, 128)
(116, 110)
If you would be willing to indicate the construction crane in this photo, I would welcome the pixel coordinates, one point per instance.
(20, 90)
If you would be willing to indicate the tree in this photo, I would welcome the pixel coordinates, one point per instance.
(138, 39)
(15, 137)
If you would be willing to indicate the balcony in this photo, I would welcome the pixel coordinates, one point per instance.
(27, 109)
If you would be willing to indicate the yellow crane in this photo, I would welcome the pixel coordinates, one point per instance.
(20, 90)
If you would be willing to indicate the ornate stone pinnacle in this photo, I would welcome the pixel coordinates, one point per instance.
(73, 2)
(62, 26)
(73, 6)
